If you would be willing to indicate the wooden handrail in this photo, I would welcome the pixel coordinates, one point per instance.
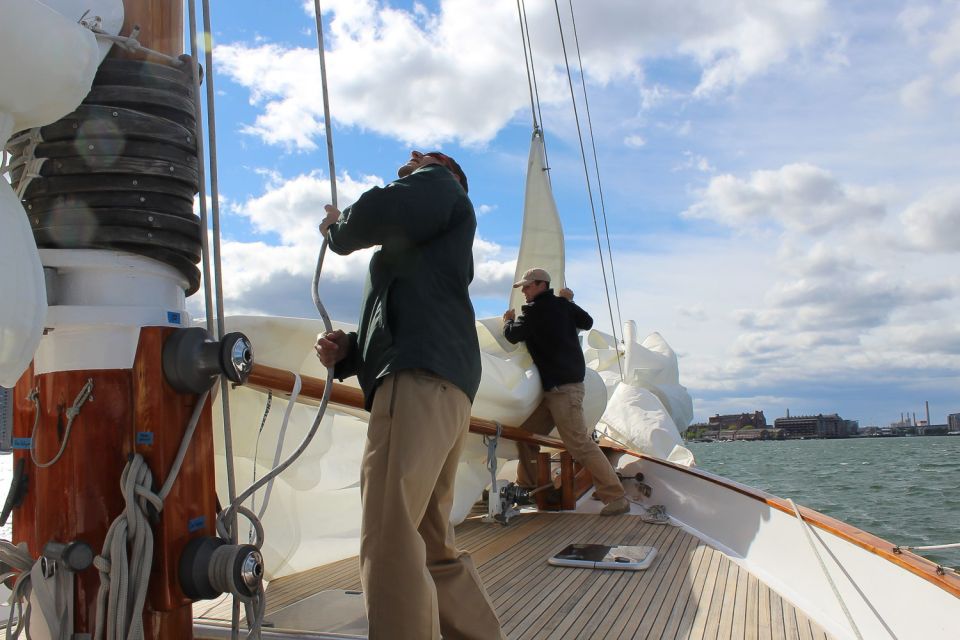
(280, 380)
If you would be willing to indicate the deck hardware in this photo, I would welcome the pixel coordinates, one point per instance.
(192, 359)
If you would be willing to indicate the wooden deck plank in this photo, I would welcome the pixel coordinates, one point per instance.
(546, 624)
(724, 632)
(691, 591)
(738, 629)
(698, 567)
(601, 626)
(751, 618)
(712, 628)
(697, 593)
(777, 629)
(558, 582)
(671, 610)
(645, 603)
(586, 627)
(763, 612)
(790, 620)
(698, 626)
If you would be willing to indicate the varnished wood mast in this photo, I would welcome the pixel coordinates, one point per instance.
(279, 380)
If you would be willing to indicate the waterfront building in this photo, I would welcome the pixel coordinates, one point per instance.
(953, 421)
(818, 426)
(755, 420)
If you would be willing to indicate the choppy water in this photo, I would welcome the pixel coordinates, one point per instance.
(905, 490)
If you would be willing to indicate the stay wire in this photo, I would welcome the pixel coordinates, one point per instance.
(586, 172)
(524, 23)
(596, 165)
(526, 61)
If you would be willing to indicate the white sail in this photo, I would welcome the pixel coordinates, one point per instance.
(541, 243)
(38, 84)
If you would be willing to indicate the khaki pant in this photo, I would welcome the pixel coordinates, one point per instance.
(563, 406)
(416, 583)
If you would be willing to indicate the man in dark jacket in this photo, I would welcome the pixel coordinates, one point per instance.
(548, 324)
(418, 361)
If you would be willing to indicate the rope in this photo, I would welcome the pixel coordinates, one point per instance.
(72, 413)
(18, 558)
(596, 163)
(256, 446)
(586, 173)
(281, 438)
(826, 572)
(124, 577)
(226, 521)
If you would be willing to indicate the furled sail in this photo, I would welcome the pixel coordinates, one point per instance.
(541, 242)
(39, 83)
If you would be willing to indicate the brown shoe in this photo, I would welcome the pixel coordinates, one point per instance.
(615, 508)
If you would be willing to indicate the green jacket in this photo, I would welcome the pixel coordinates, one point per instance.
(416, 311)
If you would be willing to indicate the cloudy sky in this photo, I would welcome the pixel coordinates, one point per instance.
(779, 178)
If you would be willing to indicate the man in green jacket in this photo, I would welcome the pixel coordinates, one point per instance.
(417, 358)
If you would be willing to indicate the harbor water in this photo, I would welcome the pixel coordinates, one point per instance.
(904, 489)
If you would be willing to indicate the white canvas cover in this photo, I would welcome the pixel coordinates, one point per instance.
(47, 64)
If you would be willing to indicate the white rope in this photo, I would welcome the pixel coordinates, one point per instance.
(281, 439)
(83, 396)
(18, 559)
(124, 576)
(826, 572)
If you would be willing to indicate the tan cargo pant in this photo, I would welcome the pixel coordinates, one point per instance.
(416, 583)
(563, 406)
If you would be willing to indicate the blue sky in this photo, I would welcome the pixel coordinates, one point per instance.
(780, 178)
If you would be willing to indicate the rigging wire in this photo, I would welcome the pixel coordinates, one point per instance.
(218, 288)
(586, 172)
(596, 165)
(532, 78)
(526, 61)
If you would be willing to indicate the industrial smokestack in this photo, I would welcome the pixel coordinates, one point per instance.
(927, 403)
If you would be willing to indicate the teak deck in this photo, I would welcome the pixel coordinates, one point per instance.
(691, 591)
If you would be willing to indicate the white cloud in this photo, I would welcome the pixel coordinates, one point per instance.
(634, 141)
(946, 47)
(933, 222)
(801, 197)
(918, 94)
(430, 78)
(693, 161)
(914, 19)
(273, 275)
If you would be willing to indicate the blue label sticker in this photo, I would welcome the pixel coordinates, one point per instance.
(173, 317)
(196, 524)
(145, 438)
(22, 443)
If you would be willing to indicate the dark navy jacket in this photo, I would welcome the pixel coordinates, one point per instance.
(549, 325)
(416, 311)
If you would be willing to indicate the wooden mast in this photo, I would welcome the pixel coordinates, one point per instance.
(161, 25)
